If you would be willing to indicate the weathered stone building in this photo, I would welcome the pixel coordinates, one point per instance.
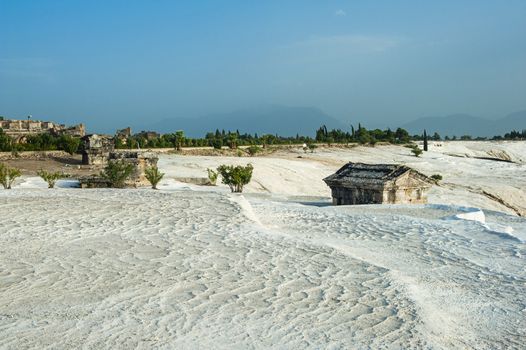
(148, 135)
(20, 129)
(96, 149)
(358, 183)
(123, 135)
(139, 160)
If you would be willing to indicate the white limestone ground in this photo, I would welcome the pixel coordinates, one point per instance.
(189, 267)
(467, 181)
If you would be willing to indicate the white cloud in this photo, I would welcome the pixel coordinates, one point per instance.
(340, 12)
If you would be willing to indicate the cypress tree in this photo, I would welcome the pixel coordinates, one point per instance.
(425, 140)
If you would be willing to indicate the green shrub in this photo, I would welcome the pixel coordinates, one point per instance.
(117, 172)
(253, 150)
(6, 142)
(212, 176)
(312, 147)
(436, 177)
(235, 176)
(416, 151)
(69, 144)
(50, 178)
(8, 175)
(217, 143)
(153, 175)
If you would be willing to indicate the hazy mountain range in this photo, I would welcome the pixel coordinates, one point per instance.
(269, 119)
(464, 124)
(289, 121)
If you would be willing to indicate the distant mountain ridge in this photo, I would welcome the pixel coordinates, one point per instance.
(289, 121)
(268, 119)
(464, 124)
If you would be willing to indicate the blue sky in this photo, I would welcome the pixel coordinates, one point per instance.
(111, 63)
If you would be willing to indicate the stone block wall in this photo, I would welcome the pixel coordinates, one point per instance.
(140, 161)
(97, 149)
(350, 196)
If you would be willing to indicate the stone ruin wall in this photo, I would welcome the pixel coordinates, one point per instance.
(405, 195)
(99, 150)
(20, 129)
(140, 161)
(96, 149)
(387, 195)
(351, 196)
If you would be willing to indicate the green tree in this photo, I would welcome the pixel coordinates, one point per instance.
(235, 176)
(363, 136)
(50, 177)
(69, 144)
(8, 175)
(217, 143)
(401, 135)
(117, 172)
(232, 140)
(153, 175)
(265, 139)
(179, 139)
(5, 142)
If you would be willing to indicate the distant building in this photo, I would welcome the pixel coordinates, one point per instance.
(123, 135)
(148, 135)
(19, 130)
(358, 183)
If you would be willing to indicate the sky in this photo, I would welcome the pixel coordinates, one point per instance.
(382, 62)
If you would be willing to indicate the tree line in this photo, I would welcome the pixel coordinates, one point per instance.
(233, 139)
(40, 142)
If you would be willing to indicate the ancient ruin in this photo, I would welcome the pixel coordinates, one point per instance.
(358, 183)
(139, 160)
(96, 149)
(19, 130)
(148, 135)
(123, 135)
